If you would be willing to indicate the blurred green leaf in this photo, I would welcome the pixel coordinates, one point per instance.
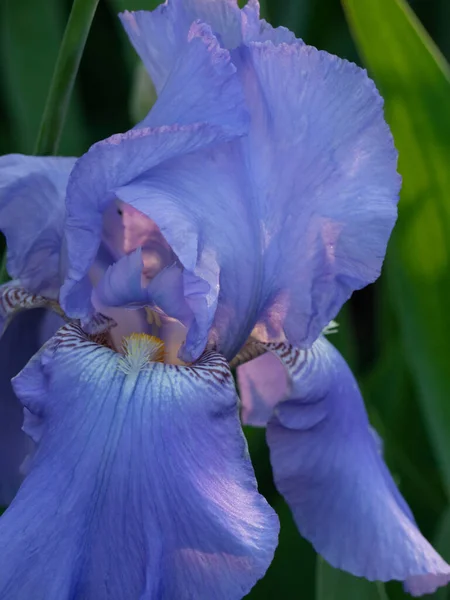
(415, 82)
(292, 14)
(143, 94)
(291, 574)
(344, 338)
(66, 69)
(334, 584)
(121, 5)
(393, 408)
(30, 37)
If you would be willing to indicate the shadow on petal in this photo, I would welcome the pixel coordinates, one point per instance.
(23, 338)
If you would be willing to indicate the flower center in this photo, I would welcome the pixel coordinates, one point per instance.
(139, 349)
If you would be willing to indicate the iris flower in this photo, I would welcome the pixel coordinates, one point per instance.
(231, 223)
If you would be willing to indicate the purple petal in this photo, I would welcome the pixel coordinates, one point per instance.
(263, 383)
(23, 338)
(111, 165)
(291, 249)
(159, 36)
(141, 232)
(281, 225)
(425, 584)
(117, 289)
(117, 161)
(327, 465)
(169, 291)
(202, 87)
(255, 29)
(32, 191)
(121, 284)
(324, 164)
(199, 203)
(141, 485)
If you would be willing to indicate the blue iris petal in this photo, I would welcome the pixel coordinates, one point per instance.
(158, 36)
(141, 485)
(32, 191)
(22, 338)
(282, 216)
(327, 464)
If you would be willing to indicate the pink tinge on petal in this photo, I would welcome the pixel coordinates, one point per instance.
(125, 229)
(263, 383)
(138, 229)
(419, 585)
(112, 230)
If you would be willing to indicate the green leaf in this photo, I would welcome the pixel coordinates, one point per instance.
(334, 584)
(143, 94)
(63, 80)
(30, 35)
(291, 573)
(415, 82)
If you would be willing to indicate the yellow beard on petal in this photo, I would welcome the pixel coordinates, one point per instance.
(140, 349)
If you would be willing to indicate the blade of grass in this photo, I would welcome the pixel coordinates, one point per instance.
(30, 36)
(66, 69)
(334, 584)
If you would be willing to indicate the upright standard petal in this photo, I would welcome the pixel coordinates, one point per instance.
(270, 221)
(140, 166)
(141, 486)
(323, 164)
(158, 36)
(282, 210)
(202, 87)
(326, 463)
(32, 193)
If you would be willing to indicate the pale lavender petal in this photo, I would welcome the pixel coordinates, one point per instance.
(173, 291)
(152, 469)
(159, 36)
(324, 164)
(255, 29)
(281, 225)
(169, 292)
(425, 584)
(263, 383)
(121, 284)
(32, 192)
(128, 158)
(202, 87)
(326, 463)
(291, 238)
(199, 203)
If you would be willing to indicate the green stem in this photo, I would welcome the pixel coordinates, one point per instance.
(66, 69)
